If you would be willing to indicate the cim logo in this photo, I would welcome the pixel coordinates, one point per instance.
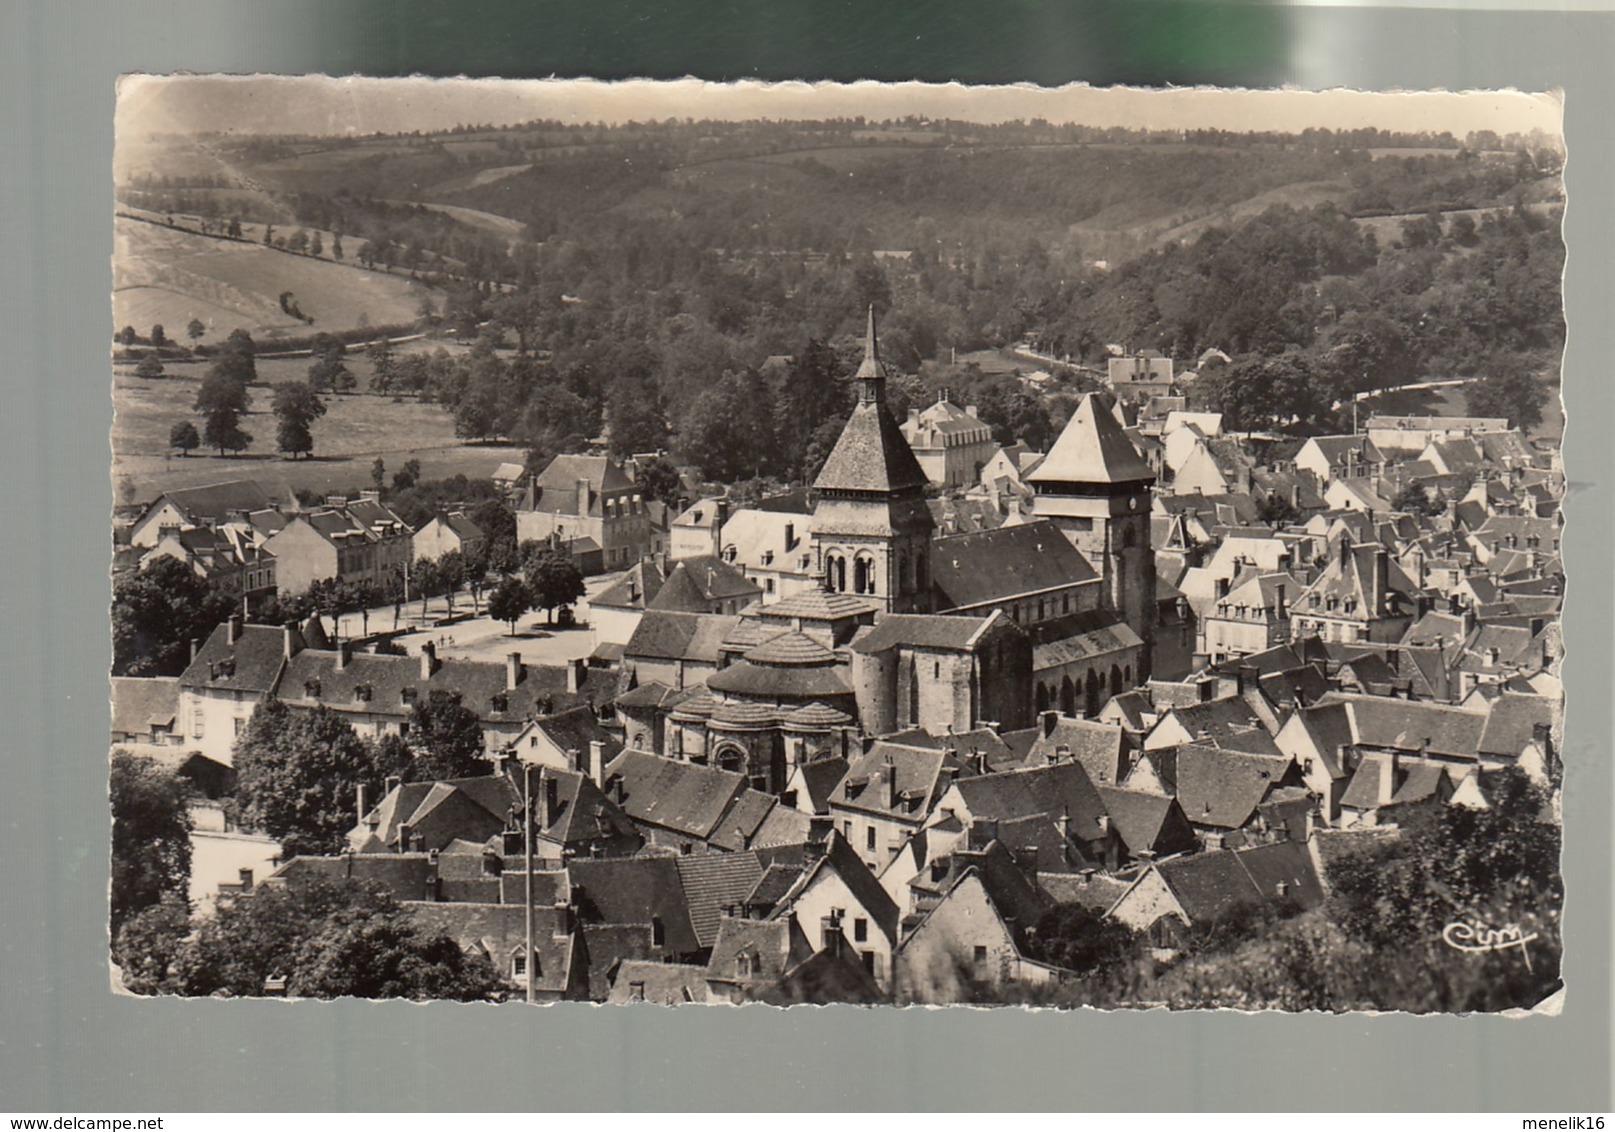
(1464, 936)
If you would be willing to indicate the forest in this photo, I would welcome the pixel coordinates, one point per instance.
(698, 286)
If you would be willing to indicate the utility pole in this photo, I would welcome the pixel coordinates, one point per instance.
(527, 854)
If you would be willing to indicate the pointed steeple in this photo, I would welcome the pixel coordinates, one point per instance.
(871, 375)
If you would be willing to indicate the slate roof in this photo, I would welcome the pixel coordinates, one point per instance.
(679, 796)
(921, 630)
(1379, 721)
(635, 589)
(1414, 782)
(634, 890)
(818, 605)
(820, 778)
(376, 684)
(712, 882)
(1223, 788)
(1099, 747)
(697, 583)
(1217, 719)
(1092, 449)
(1060, 791)
(140, 704)
(798, 682)
(789, 649)
(871, 454)
(213, 503)
(664, 984)
(1003, 564)
(1513, 721)
(1210, 885)
(1079, 636)
(664, 635)
(843, 861)
(772, 945)
(919, 781)
(252, 664)
(778, 879)
(556, 487)
(1094, 890)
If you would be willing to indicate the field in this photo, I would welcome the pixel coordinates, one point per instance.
(354, 431)
(162, 275)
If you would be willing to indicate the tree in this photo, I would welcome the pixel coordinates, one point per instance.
(451, 575)
(659, 479)
(327, 939)
(383, 367)
(407, 476)
(151, 366)
(149, 947)
(184, 437)
(331, 374)
(156, 612)
(1510, 391)
(1073, 936)
(447, 739)
(236, 358)
(378, 473)
(223, 431)
(509, 602)
(336, 245)
(296, 409)
(151, 835)
(127, 336)
(553, 579)
(298, 774)
(316, 245)
(195, 330)
(634, 418)
(158, 338)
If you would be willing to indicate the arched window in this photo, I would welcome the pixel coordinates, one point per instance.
(731, 757)
(1068, 697)
(1092, 693)
(863, 575)
(1115, 680)
(1042, 698)
(835, 572)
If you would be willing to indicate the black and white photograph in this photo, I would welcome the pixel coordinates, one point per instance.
(702, 544)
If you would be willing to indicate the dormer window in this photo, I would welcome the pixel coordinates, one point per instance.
(501, 702)
(745, 965)
(362, 693)
(311, 689)
(410, 695)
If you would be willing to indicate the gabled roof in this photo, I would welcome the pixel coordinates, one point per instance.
(770, 946)
(842, 861)
(1092, 449)
(820, 778)
(1002, 564)
(922, 630)
(665, 984)
(634, 890)
(1513, 723)
(1148, 822)
(696, 583)
(213, 503)
(919, 777)
(140, 704)
(664, 635)
(713, 882)
(679, 796)
(1209, 886)
(1099, 747)
(1415, 782)
(635, 589)
(498, 930)
(251, 664)
(1392, 724)
(1063, 790)
(1223, 788)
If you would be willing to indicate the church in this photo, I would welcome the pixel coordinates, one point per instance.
(907, 630)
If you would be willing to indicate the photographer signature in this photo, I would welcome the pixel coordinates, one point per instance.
(1478, 937)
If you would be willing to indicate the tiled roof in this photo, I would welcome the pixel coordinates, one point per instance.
(745, 714)
(1092, 449)
(376, 684)
(778, 879)
(802, 682)
(1513, 722)
(790, 649)
(1079, 636)
(212, 503)
(817, 716)
(918, 777)
(767, 946)
(820, 778)
(141, 703)
(252, 664)
(712, 882)
(1150, 822)
(1380, 721)
(635, 589)
(1211, 885)
(819, 605)
(1099, 747)
(1002, 564)
(664, 984)
(499, 929)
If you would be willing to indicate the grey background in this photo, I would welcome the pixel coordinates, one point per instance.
(67, 1044)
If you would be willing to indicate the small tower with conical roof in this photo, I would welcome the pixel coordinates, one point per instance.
(1095, 487)
(871, 526)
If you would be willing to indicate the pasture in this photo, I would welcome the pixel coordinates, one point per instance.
(355, 430)
(163, 275)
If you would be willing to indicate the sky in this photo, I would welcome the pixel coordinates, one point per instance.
(320, 105)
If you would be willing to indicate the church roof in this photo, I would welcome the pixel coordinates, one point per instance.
(871, 454)
(791, 649)
(1092, 449)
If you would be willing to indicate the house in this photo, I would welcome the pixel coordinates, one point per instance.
(211, 506)
(692, 808)
(1250, 618)
(557, 967)
(1030, 571)
(1341, 457)
(1140, 376)
(1382, 784)
(360, 541)
(1064, 818)
(698, 529)
(664, 984)
(697, 584)
(839, 891)
(449, 531)
(772, 549)
(237, 668)
(1406, 435)
(951, 443)
(1203, 889)
(145, 711)
(580, 499)
(1219, 791)
(974, 932)
(1360, 595)
(1100, 747)
(225, 557)
(750, 956)
(676, 649)
(887, 795)
(569, 739)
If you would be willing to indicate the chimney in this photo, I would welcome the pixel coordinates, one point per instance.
(888, 775)
(575, 675)
(1250, 678)
(514, 670)
(1062, 753)
(434, 883)
(552, 800)
(971, 410)
(291, 639)
(1387, 780)
(1050, 719)
(830, 937)
(583, 498)
(597, 761)
(359, 803)
(1281, 603)
(196, 646)
(564, 913)
(344, 655)
(1382, 581)
(1214, 842)
(428, 660)
(336, 500)
(246, 880)
(790, 537)
(232, 632)
(369, 495)
(392, 783)
(1063, 825)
